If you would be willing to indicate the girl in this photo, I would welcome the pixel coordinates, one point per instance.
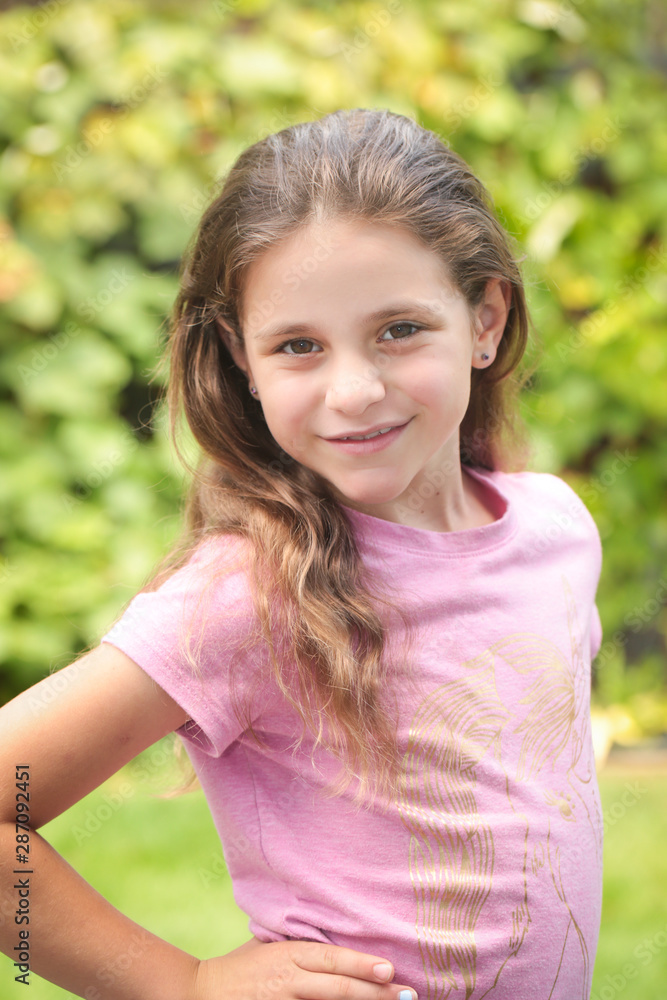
(374, 643)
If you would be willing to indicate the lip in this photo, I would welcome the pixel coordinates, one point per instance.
(375, 444)
(369, 430)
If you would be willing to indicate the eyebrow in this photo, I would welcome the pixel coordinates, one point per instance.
(413, 307)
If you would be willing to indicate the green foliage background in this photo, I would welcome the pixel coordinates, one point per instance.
(118, 117)
(116, 120)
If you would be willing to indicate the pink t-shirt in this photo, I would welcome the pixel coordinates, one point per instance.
(482, 876)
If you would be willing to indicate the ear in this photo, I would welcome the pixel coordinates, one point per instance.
(490, 319)
(232, 344)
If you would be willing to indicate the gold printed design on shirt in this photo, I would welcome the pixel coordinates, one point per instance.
(451, 847)
(452, 852)
(564, 803)
(558, 885)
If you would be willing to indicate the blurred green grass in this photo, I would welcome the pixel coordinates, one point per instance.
(634, 907)
(160, 862)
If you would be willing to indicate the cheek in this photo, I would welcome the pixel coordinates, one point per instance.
(437, 380)
(437, 387)
(286, 413)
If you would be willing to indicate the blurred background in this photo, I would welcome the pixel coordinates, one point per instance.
(117, 120)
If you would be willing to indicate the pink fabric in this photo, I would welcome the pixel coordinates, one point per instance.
(483, 874)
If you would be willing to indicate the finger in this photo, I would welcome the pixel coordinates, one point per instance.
(335, 960)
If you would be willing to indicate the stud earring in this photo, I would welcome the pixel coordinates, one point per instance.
(485, 357)
(253, 390)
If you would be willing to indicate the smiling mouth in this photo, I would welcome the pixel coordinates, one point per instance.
(367, 437)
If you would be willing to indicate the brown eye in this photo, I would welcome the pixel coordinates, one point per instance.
(403, 329)
(298, 344)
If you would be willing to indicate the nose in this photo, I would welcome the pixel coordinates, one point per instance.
(352, 392)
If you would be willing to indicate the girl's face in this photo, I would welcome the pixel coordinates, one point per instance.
(353, 327)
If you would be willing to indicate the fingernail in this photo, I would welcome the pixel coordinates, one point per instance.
(407, 995)
(382, 970)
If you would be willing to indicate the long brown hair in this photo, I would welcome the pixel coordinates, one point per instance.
(311, 592)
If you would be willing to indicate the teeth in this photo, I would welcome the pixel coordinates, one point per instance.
(384, 430)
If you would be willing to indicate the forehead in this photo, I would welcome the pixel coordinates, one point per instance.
(346, 260)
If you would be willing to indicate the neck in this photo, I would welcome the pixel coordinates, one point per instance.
(460, 503)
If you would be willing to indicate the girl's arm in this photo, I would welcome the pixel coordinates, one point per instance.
(74, 729)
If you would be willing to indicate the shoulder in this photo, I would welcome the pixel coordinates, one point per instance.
(228, 555)
(211, 585)
(224, 558)
(536, 486)
(548, 507)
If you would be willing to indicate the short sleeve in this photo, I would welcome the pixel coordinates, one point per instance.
(596, 632)
(185, 618)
